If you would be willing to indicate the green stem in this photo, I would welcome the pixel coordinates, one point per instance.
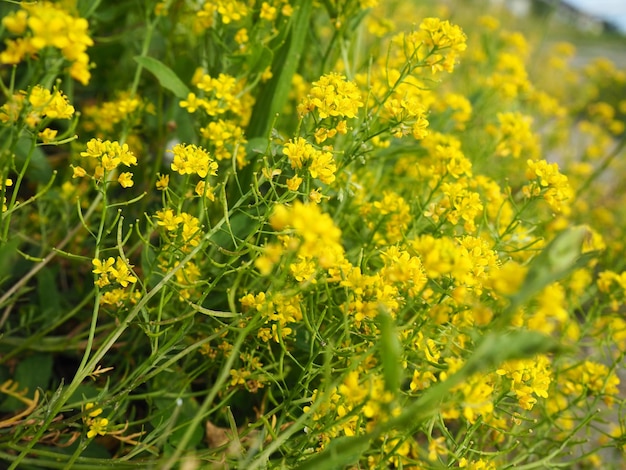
(88, 366)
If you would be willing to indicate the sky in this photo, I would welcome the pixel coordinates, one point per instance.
(612, 10)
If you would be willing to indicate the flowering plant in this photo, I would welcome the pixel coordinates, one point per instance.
(306, 235)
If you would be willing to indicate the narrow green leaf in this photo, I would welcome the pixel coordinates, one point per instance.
(390, 351)
(274, 95)
(31, 373)
(165, 75)
(341, 452)
(559, 258)
(497, 348)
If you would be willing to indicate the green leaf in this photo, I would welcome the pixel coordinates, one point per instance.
(274, 95)
(8, 258)
(390, 351)
(341, 452)
(558, 259)
(497, 348)
(31, 373)
(165, 75)
(48, 292)
(39, 168)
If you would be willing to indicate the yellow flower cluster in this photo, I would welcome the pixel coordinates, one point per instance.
(515, 136)
(332, 96)
(320, 163)
(97, 426)
(392, 214)
(436, 44)
(278, 311)
(361, 390)
(218, 96)
(444, 42)
(105, 157)
(530, 378)
(593, 379)
(183, 228)
(191, 159)
(113, 270)
(225, 138)
(103, 117)
(547, 182)
(37, 108)
(312, 236)
(229, 11)
(181, 233)
(44, 24)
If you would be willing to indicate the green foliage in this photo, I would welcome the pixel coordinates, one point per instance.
(306, 235)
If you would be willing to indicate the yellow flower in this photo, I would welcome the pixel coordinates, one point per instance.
(191, 159)
(97, 426)
(78, 172)
(163, 182)
(126, 180)
(332, 96)
(102, 267)
(268, 12)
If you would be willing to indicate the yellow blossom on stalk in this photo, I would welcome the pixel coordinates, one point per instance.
(241, 37)
(379, 26)
(268, 12)
(299, 152)
(508, 278)
(321, 164)
(515, 136)
(422, 380)
(550, 312)
(47, 135)
(225, 138)
(396, 214)
(121, 273)
(479, 464)
(115, 297)
(319, 237)
(437, 42)
(458, 205)
(126, 180)
(332, 96)
(228, 10)
(191, 159)
(103, 117)
(404, 269)
(547, 182)
(476, 398)
(220, 95)
(592, 378)
(510, 78)
(163, 182)
(168, 219)
(278, 310)
(50, 26)
(108, 156)
(437, 447)
(7, 182)
(186, 278)
(204, 190)
(97, 426)
(192, 103)
(113, 270)
(530, 378)
(53, 105)
(103, 268)
(10, 111)
(191, 232)
(294, 183)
